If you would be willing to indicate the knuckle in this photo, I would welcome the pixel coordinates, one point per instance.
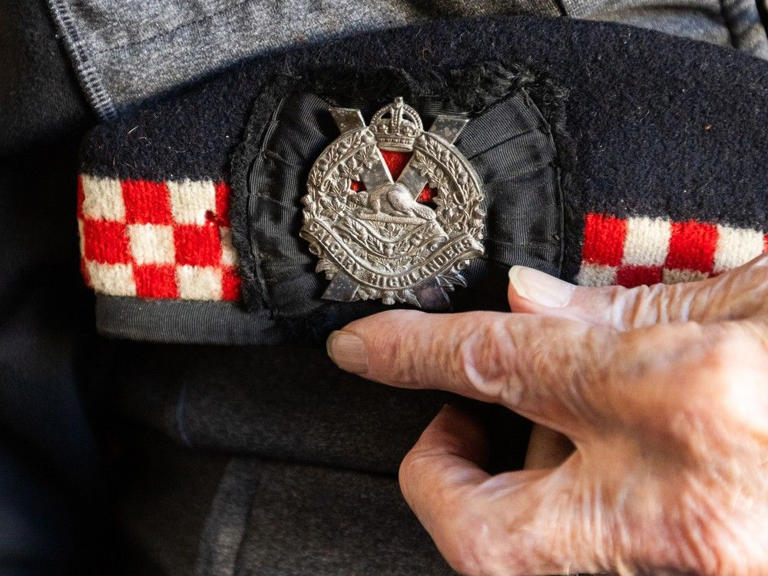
(499, 357)
(684, 375)
(405, 474)
(634, 307)
(728, 351)
(709, 357)
(386, 330)
(725, 343)
(472, 550)
(414, 475)
(740, 293)
(482, 357)
(647, 305)
(706, 403)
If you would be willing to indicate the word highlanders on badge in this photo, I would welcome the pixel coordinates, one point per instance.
(400, 240)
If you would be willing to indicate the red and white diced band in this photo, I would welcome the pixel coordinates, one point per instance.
(149, 239)
(640, 250)
(172, 240)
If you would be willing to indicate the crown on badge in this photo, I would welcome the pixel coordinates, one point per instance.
(396, 126)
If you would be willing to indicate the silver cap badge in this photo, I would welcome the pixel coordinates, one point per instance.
(373, 238)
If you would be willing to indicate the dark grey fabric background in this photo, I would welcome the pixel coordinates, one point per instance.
(53, 505)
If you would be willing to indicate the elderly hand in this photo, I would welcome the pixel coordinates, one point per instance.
(663, 391)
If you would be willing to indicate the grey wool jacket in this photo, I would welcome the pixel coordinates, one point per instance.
(125, 52)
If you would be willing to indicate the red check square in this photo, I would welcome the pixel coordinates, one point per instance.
(230, 284)
(692, 246)
(197, 245)
(155, 281)
(222, 204)
(604, 239)
(105, 241)
(631, 276)
(146, 202)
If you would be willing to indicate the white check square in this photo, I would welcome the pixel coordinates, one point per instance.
(736, 246)
(199, 282)
(646, 242)
(102, 198)
(596, 275)
(152, 244)
(228, 252)
(192, 200)
(113, 279)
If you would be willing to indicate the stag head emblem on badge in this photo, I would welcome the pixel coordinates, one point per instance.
(400, 240)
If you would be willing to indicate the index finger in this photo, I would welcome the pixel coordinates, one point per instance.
(542, 367)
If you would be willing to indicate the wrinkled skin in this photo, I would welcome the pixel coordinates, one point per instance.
(663, 392)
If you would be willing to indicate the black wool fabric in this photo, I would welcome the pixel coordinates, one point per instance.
(661, 126)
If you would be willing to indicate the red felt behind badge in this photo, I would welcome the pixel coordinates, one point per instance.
(396, 162)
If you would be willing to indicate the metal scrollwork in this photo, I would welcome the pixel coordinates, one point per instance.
(372, 236)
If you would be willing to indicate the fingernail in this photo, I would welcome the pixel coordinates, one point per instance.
(347, 351)
(540, 288)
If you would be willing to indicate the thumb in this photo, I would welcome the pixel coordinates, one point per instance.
(737, 294)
